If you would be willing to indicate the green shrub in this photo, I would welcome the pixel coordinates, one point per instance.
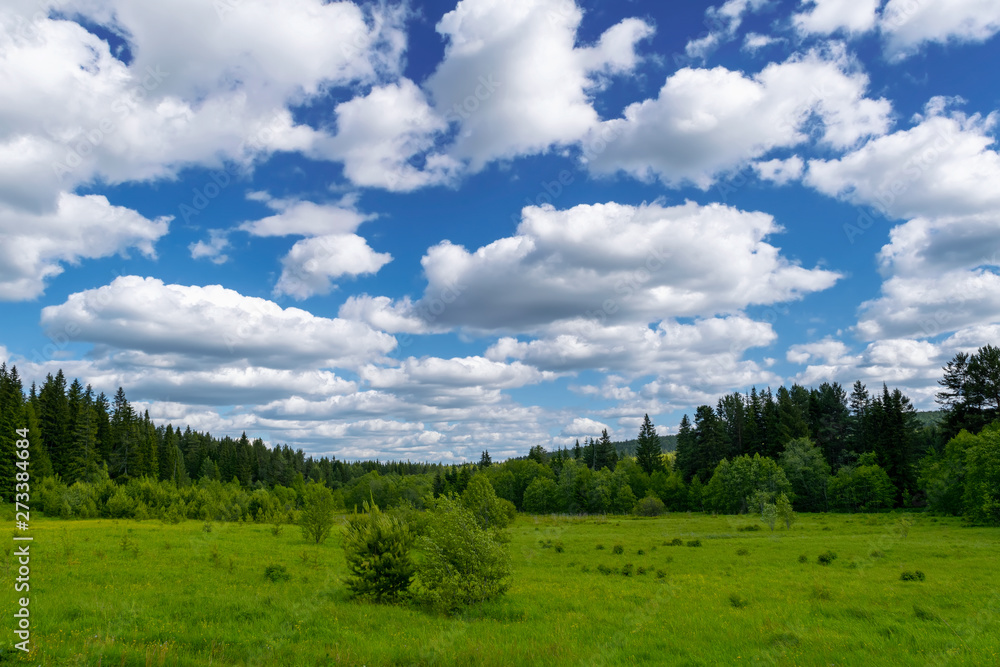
(604, 569)
(627, 570)
(377, 549)
(738, 601)
(463, 563)
(742, 551)
(916, 575)
(694, 543)
(660, 574)
(489, 510)
(277, 573)
(826, 558)
(599, 547)
(650, 506)
(803, 558)
(618, 549)
(676, 542)
(316, 518)
(640, 570)
(748, 529)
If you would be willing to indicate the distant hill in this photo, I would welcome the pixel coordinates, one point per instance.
(668, 443)
(930, 418)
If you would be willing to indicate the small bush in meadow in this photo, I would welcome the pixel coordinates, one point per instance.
(826, 558)
(660, 574)
(924, 614)
(742, 551)
(916, 575)
(803, 558)
(694, 543)
(377, 549)
(640, 570)
(627, 570)
(618, 549)
(752, 528)
(558, 547)
(463, 562)
(599, 547)
(604, 569)
(277, 573)
(676, 542)
(738, 601)
(640, 552)
(877, 554)
(650, 506)
(207, 527)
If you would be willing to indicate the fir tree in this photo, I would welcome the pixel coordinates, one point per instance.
(648, 452)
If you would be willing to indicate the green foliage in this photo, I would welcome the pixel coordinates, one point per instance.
(648, 453)
(862, 488)
(617, 549)
(650, 506)
(826, 557)
(694, 543)
(916, 575)
(783, 508)
(316, 519)
(489, 510)
(463, 563)
(377, 549)
(807, 472)
(769, 515)
(276, 573)
(982, 481)
(745, 484)
(541, 496)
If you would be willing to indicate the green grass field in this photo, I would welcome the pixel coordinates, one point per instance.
(145, 593)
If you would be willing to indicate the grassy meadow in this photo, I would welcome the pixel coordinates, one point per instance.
(107, 592)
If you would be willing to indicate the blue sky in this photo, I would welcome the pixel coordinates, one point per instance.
(423, 230)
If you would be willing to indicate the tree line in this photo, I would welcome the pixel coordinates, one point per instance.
(822, 448)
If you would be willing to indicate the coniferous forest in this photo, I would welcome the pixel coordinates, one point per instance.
(822, 448)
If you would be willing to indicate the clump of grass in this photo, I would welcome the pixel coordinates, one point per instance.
(738, 601)
(694, 543)
(924, 614)
(670, 559)
(660, 574)
(803, 558)
(585, 568)
(618, 549)
(558, 547)
(826, 558)
(752, 528)
(166, 546)
(276, 529)
(877, 554)
(599, 547)
(277, 573)
(640, 570)
(742, 551)
(207, 527)
(214, 555)
(603, 569)
(627, 570)
(916, 575)
(827, 527)
(640, 552)
(676, 542)
(821, 592)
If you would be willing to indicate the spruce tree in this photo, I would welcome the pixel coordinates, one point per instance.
(648, 452)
